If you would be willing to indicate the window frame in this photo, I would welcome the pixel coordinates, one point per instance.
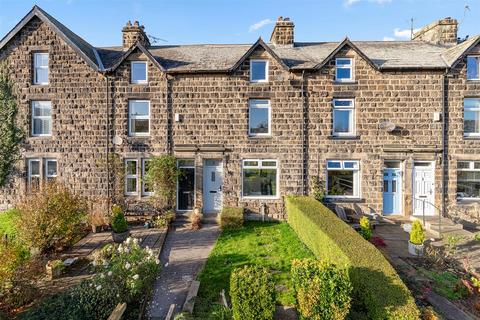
(356, 177)
(260, 166)
(29, 171)
(131, 176)
(469, 169)
(48, 177)
(267, 65)
(33, 117)
(130, 117)
(352, 122)
(471, 109)
(477, 57)
(252, 104)
(350, 66)
(132, 81)
(35, 67)
(144, 193)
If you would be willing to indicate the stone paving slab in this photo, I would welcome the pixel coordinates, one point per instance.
(183, 256)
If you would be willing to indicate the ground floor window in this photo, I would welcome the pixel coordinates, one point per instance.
(34, 171)
(342, 178)
(468, 179)
(260, 178)
(135, 173)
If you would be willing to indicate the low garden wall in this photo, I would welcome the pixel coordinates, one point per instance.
(376, 286)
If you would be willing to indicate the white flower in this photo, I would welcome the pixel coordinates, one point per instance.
(118, 295)
(94, 263)
(157, 261)
(109, 273)
(127, 265)
(135, 240)
(98, 287)
(135, 277)
(91, 284)
(102, 275)
(128, 240)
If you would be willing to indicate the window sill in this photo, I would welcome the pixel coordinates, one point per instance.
(259, 82)
(354, 137)
(139, 137)
(466, 201)
(260, 136)
(344, 199)
(350, 82)
(471, 137)
(40, 85)
(40, 137)
(139, 83)
(260, 198)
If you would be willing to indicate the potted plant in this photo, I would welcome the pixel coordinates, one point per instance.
(417, 237)
(54, 269)
(119, 225)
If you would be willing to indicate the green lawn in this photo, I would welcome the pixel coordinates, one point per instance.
(273, 245)
(7, 222)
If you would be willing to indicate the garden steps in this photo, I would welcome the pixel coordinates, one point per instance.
(445, 227)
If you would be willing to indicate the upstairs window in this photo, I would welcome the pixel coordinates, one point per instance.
(41, 118)
(139, 118)
(139, 72)
(258, 70)
(344, 69)
(259, 118)
(343, 117)
(473, 72)
(468, 180)
(471, 117)
(40, 68)
(342, 179)
(260, 178)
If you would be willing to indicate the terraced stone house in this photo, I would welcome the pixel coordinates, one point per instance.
(392, 125)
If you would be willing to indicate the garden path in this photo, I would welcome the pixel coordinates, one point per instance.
(183, 256)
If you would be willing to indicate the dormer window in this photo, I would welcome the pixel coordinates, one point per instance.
(473, 71)
(258, 71)
(139, 72)
(40, 68)
(344, 69)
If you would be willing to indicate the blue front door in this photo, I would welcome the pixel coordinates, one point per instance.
(392, 191)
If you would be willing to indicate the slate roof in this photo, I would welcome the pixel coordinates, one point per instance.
(224, 57)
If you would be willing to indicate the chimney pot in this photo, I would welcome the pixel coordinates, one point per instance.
(283, 32)
(133, 34)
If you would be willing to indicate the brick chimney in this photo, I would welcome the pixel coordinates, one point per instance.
(443, 31)
(133, 34)
(283, 32)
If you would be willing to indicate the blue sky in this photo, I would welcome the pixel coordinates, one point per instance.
(235, 21)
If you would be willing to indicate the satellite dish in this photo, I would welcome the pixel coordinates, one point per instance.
(387, 126)
(117, 140)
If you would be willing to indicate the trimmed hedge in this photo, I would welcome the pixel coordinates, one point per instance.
(231, 218)
(376, 285)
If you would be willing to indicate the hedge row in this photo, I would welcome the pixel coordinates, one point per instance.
(376, 285)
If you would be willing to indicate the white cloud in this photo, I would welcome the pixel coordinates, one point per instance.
(349, 3)
(400, 34)
(386, 38)
(260, 24)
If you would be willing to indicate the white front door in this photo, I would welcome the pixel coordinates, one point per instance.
(212, 186)
(423, 188)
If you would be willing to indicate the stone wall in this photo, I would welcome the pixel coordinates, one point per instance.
(283, 32)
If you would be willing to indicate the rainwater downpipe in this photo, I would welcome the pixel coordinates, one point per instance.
(444, 152)
(107, 137)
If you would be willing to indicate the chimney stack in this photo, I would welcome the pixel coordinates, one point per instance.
(282, 34)
(133, 34)
(442, 32)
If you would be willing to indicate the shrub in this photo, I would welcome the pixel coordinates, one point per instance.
(318, 189)
(195, 221)
(253, 293)
(51, 218)
(119, 223)
(365, 229)
(376, 286)
(7, 223)
(323, 290)
(162, 177)
(231, 218)
(417, 235)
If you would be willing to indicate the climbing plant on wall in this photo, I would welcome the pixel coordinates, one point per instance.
(10, 134)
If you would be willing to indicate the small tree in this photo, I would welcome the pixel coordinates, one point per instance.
(10, 134)
(417, 235)
(161, 177)
(365, 229)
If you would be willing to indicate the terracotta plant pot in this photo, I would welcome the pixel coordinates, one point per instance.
(53, 272)
(120, 237)
(415, 249)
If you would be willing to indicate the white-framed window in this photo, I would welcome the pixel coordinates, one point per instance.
(33, 173)
(260, 178)
(50, 169)
(139, 117)
(41, 118)
(146, 188)
(131, 176)
(343, 179)
(139, 72)
(468, 180)
(343, 117)
(473, 68)
(343, 69)
(471, 117)
(40, 68)
(259, 118)
(258, 70)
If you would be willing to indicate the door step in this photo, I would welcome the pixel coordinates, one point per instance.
(444, 227)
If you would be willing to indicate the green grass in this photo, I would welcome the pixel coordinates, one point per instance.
(7, 222)
(272, 245)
